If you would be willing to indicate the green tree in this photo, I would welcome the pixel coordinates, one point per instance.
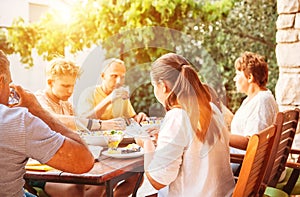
(249, 26)
(211, 34)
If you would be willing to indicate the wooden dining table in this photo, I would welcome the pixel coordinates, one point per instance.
(107, 171)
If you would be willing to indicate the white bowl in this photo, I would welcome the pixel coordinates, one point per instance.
(95, 139)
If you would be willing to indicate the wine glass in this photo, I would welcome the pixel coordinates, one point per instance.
(113, 139)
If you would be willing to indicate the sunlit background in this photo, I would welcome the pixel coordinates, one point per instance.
(31, 11)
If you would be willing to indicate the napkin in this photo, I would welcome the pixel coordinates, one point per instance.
(37, 166)
(40, 167)
(95, 150)
(134, 129)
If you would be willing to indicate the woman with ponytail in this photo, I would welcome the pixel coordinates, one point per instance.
(192, 153)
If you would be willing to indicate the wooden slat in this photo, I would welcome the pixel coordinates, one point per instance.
(286, 128)
(255, 163)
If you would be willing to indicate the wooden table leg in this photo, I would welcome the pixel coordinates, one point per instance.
(137, 185)
(29, 188)
(288, 188)
(109, 188)
(109, 185)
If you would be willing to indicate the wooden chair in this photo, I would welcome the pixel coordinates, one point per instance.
(255, 164)
(286, 123)
(289, 124)
(291, 183)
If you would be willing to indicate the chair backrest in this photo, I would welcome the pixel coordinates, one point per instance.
(255, 163)
(286, 125)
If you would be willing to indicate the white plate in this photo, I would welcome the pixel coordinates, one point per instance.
(136, 131)
(148, 126)
(125, 155)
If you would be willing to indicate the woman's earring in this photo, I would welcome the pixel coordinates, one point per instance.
(250, 79)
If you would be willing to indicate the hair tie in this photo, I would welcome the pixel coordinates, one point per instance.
(182, 66)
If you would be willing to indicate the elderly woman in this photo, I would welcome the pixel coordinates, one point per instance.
(259, 108)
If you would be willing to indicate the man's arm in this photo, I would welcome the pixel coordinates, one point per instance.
(73, 156)
(99, 109)
(149, 149)
(238, 141)
(78, 123)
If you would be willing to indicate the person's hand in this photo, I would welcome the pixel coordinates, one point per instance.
(141, 140)
(27, 99)
(153, 133)
(140, 117)
(120, 93)
(116, 124)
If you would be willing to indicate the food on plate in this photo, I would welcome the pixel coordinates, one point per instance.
(152, 120)
(131, 148)
(91, 133)
(113, 132)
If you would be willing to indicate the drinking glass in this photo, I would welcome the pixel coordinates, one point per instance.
(113, 140)
(125, 89)
(13, 97)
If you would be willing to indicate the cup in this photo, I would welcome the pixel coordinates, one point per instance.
(119, 99)
(124, 92)
(113, 139)
(126, 88)
(13, 97)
